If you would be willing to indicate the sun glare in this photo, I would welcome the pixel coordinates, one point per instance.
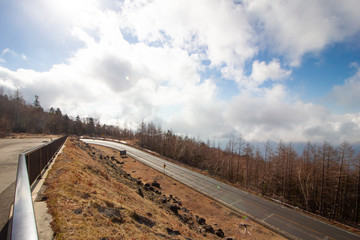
(75, 12)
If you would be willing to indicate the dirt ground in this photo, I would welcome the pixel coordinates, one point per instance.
(214, 213)
(28, 135)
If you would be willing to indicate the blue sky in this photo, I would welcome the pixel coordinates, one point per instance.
(269, 70)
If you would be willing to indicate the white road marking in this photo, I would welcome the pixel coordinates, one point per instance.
(215, 193)
(236, 202)
(267, 217)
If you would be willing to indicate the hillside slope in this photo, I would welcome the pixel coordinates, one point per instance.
(91, 195)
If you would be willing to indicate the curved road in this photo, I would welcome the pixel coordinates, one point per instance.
(290, 223)
(9, 154)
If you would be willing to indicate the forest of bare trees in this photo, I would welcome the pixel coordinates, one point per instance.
(322, 179)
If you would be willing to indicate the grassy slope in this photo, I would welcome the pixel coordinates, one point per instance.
(91, 197)
(87, 202)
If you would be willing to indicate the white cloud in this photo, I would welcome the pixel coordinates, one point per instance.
(13, 54)
(262, 72)
(6, 82)
(347, 95)
(271, 115)
(294, 28)
(219, 28)
(274, 116)
(6, 50)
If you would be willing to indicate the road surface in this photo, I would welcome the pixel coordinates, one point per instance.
(291, 223)
(9, 154)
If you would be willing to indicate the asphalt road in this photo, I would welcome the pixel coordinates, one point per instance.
(9, 153)
(291, 223)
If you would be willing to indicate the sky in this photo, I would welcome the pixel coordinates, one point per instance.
(269, 70)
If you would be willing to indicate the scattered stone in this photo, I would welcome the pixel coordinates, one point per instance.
(220, 233)
(185, 209)
(175, 209)
(139, 191)
(109, 212)
(143, 220)
(148, 187)
(164, 200)
(156, 184)
(200, 220)
(177, 201)
(112, 157)
(186, 218)
(117, 220)
(78, 211)
(209, 229)
(112, 165)
(172, 232)
(139, 183)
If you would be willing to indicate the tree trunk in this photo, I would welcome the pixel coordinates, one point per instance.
(338, 184)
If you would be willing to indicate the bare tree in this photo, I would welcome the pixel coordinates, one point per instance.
(346, 153)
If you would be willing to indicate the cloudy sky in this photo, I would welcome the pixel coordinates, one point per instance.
(270, 70)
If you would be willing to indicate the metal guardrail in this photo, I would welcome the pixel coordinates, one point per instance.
(30, 166)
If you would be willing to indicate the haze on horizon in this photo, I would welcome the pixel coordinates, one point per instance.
(269, 70)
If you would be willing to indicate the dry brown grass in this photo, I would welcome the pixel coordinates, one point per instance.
(87, 202)
(93, 198)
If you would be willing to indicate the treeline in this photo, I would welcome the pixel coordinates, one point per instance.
(323, 179)
(16, 116)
